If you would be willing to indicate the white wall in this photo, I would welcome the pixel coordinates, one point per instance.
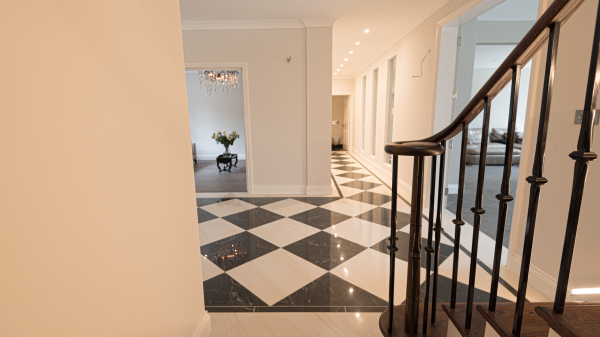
(569, 91)
(277, 93)
(342, 86)
(221, 112)
(99, 231)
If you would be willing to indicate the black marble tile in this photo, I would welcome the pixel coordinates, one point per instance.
(317, 201)
(445, 288)
(301, 309)
(402, 253)
(371, 198)
(260, 201)
(353, 175)
(330, 290)
(236, 250)
(223, 290)
(322, 250)
(363, 185)
(252, 218)
(229, 309)
(347, 168)
(209, 201)
(382, 215)
(320, 218)
(204, 215)
(366, 309)
(342, 162)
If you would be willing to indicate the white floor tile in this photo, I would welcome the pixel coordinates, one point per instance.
(349, 191)
(216, 229)
(209, 269)
(220, 323)
(381, 190)
(333, 324)
(283, 231)
(363, 232)
(348, 206)
(276, 275)
(288, 207)
(342, 180)
(228, 207)
(265, 325)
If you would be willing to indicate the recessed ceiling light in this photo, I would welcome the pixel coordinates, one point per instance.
(366, 30)
(337, 69)
(335, 73)
(351, 52)
(351, 290)
(341, 65)
(585, 291)
(357, 43)
(357, 314)
(345, 59)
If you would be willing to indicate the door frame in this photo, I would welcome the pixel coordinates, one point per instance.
(243, 67)
(349, 112)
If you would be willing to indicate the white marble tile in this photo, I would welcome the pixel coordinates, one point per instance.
(283, 231)
(401, 206)
(288, 207)
(375, 333)
(371, 179)
(228, 207)
(369, 270)
(336, 165)
(363, 171)
(265, 325)
(336, 172)
(220, 323)
(348, 206)
(209, 269)
(349, 191)
(216, 229)
(381, 190)
(363, 232)
(343, 180)
(333, 324)
(276, 275)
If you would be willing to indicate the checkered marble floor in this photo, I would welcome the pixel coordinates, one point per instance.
(322, 254)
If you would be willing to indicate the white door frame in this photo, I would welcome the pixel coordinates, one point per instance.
(350, 114)
(243, 67)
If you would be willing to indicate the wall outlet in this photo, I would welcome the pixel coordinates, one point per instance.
(579, 116)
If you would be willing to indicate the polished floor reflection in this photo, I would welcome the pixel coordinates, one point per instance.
(323, 254)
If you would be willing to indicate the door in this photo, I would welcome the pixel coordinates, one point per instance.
(346, 123)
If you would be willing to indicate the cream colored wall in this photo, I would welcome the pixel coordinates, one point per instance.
(414, 99)
(98, 233)
(569, 92)
(342, 86)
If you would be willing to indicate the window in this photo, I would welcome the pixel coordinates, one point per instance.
(390, 104)
(374, 111)
(364, 104)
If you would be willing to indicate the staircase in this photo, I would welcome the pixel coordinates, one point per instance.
(495, 319)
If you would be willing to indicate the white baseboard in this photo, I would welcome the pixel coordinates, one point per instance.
(404, 189)
(452, 188)
(203, 328)
(214, 156)
(538, 278)
(279, 189)
(319, 189)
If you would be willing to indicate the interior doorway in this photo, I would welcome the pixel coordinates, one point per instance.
(218, 130)
(470, 52)
(340, 138)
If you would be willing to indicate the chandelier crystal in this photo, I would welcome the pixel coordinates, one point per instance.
(219, 80)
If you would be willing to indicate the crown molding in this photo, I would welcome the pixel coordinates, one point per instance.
(320, 22)
(258, 24)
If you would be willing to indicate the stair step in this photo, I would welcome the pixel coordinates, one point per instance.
(578, 320)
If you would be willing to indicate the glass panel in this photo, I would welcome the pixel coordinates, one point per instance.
(374, 112)
(364, 104)
(390, 103)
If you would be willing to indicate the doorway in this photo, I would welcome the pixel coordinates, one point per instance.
(340, 138)
(470, 52)
(217, 126)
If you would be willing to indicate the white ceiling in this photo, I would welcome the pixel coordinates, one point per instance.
(387, 21)
(512, 10)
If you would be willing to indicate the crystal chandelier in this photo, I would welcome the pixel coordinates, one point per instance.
(219, 80)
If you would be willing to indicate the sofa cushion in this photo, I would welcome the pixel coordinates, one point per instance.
(497, 134)
(475, 135)
(494, 149)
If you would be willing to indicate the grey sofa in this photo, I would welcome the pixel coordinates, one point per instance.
(495, 150)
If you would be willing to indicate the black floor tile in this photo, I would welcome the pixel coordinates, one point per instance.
(223, 290)
(347, 168)
(363, 185)
(445, 289)
(330, 290)
(342, 162)
(325, 250)
(252, 218)
(204, 215)
(257, 201)
(236, 250)
(353, 175)
(317, 201)
(402, 253)
(209, 201)
(371, 198)
(382, 215)
(320, 218)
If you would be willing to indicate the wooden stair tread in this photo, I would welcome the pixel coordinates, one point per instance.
(578, 320)
(502, 319)
(440, 329)
(458, 315)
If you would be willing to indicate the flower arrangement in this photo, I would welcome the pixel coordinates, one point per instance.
(225, 139)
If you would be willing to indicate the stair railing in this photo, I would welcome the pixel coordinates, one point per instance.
(546, 29)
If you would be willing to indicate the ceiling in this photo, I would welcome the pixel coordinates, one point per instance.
(387, 21)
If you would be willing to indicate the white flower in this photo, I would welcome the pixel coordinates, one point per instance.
(229, 137)
(218, 132)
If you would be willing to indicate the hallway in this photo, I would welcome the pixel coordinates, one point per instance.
(323, 254)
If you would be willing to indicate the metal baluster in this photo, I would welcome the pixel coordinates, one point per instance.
(582, 156)
(438, 231)
(504, 197)
(536, 180)
(478, 210)
(428, 248)
(392, 247)
(458, 222)
(416, 250)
